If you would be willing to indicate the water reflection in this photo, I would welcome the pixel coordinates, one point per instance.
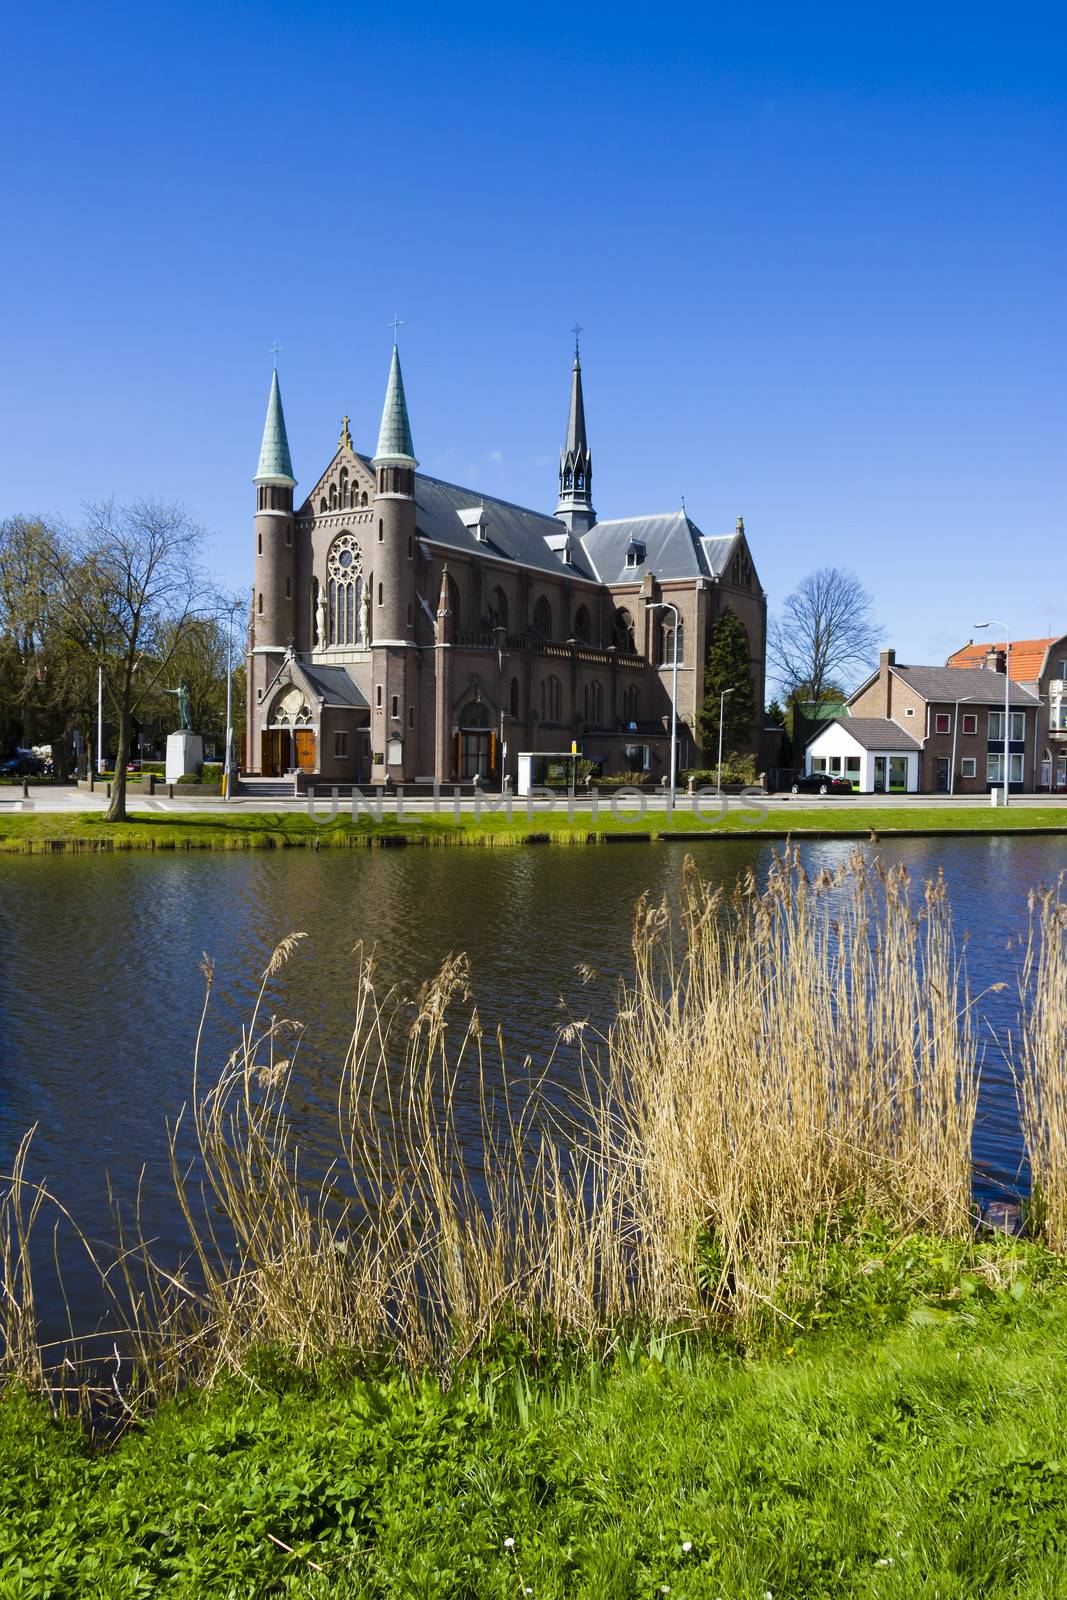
(101, 983)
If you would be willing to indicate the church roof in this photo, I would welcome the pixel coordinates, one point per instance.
(576, 437)
(394, 435)
(334, 686)
(514, 532)
(674, 548)
(275, 461)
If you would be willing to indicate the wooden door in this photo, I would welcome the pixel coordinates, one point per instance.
(305, 749)
(271, 763)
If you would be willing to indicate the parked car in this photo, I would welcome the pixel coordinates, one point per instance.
(822, 783)
(22, 765)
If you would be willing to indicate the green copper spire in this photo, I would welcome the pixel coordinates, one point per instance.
(394, 435)
(275, 462)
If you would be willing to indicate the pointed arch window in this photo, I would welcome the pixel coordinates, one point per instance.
(344, 487)
(498, 608)
(542, 618)
(515, 697)
(623, 632)
(333, 497)
(344, 588)
(666, 654)
(582, 628)
(551, 700)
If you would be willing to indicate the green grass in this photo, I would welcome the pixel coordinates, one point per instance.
(910, 1450)
(26, 833)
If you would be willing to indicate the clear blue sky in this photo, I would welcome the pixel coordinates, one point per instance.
(819, 254)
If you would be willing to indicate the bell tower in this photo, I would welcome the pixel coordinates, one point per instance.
(575, 507)
(394, 703)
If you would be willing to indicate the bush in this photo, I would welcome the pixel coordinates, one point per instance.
(212, 772)
(628, 780)
(735, 769)
(189, 777)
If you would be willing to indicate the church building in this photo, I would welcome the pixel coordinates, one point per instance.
(404, 628)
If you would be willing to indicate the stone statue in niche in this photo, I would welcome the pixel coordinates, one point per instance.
(320, 620)
(365, 639)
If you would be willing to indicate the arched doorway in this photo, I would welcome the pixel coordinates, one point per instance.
(288, 739)
(476, 753)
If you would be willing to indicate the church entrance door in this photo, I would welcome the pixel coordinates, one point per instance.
(305, 749)
(274, 752)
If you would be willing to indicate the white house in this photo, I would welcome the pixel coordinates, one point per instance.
(876, 754)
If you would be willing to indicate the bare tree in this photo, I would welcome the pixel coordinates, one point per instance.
(131, 588)
(826, 631)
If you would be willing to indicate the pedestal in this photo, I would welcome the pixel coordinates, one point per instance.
(185, 753)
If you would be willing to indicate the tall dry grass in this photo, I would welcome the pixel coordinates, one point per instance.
(777, 1056)
(1042, 1079)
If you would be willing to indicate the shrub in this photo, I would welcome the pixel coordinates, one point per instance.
(189, 777)
(629, 780)
(735, 769)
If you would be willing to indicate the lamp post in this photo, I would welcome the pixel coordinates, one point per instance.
(227, 611)
(722, 706)
(668, 605)
(994, 623)
(99, 719)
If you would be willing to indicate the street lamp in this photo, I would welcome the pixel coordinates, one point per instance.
(722, 706)
(668, 605)
(994, 623)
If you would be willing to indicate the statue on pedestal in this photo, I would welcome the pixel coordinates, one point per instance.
(185, 716)
(320, 621)
(366, 616)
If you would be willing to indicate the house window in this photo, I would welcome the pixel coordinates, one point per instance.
(378, 696)
(636, 757)
(835, 765)
(396, 705)
(1018, 725)
(852, 767)
(969, 767)
(942, 722)
(909, 711)
(970, 724)
(818, 763)
(996, 728)
(340, 745)
(1015, 767)
(1057, 716)
(994, 767)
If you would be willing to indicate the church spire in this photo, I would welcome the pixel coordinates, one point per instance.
(394, 435)
(575, 461)
(275, 462)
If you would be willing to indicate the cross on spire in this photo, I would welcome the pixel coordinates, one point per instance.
(395, 324)
(577, 331)
(275, 351)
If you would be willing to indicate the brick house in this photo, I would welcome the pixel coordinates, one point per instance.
(1040, 665)
(931, 730)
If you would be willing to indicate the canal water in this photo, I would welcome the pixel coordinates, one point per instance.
(101, 983)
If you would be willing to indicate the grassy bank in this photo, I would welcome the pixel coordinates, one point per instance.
(911, 1450)
(88, 831)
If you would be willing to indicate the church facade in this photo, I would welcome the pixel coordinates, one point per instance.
(406, 629)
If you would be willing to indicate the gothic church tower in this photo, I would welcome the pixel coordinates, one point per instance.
(274, 602)
(575, 507)
(394, 704)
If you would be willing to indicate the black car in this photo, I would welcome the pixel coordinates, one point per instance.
(821, 783)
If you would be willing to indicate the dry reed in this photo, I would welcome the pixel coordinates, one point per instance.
(1042, 1081)
(776, 1057)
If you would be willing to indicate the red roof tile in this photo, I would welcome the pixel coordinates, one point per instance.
(1027, 656)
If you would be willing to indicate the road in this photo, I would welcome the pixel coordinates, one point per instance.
(44, 798)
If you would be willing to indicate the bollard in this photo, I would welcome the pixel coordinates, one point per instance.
(25, 789)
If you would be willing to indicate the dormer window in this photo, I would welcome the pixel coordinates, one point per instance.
(635, 553)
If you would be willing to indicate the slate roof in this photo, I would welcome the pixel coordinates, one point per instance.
(674, 548)
(1027, 656)
(873, 733)
(977, 684)
(274, 459)
(333, 684)
(514, 532)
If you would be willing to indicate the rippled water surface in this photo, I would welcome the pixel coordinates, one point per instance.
(101, 983)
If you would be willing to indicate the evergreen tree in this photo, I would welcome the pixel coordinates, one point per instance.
(728, 665)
